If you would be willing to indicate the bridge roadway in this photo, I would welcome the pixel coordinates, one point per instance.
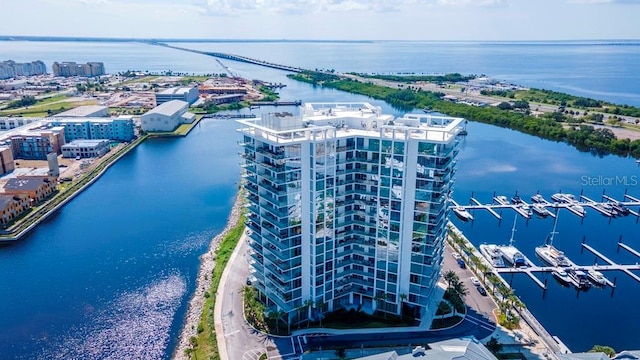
(233, 57)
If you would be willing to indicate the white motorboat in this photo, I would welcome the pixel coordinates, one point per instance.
(462, 213)
(597, 278)
(562, 276)
(579, 278)
(492, 254)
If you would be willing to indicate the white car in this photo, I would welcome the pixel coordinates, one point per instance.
(474, 281)
(456, 255)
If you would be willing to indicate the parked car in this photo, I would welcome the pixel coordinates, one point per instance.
(475, 281)
(481, 290)
(456, 256)
(462, 264)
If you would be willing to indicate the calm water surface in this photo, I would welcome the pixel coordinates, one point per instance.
(112, 272)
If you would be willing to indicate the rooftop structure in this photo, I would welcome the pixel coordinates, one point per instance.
(454, 349)
(348, 206)
(85, 111)
(188, 94)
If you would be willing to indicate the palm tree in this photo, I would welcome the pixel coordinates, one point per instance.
(451, 278)
(319, 305)
(308, 304)
(403, 299)
(484, 268)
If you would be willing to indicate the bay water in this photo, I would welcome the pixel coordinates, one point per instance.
(111, 273)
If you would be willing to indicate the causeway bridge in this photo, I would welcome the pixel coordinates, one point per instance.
(233, 57)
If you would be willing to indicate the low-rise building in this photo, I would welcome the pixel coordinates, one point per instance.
(35, 144)
(11, 207)
(85, 112)
(12, 122)
(225, 99)
(188, 94)
(167, 116)
(36, 188)
(6, 160)
(86, 148)
(119, 129)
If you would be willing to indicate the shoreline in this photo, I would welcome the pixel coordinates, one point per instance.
(16, 234)
(203, 283)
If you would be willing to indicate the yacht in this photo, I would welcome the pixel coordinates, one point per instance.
(549, 254)
(462, 213)
(619, 208)
(492, 254)
(596, 277)
(502, 200)
(579, 278)
(562, 276)
(540, 210)
(538, 199)
(558, 197)
(510, 253)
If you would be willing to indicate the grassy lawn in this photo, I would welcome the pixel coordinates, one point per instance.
(140, 80)
(445, 323)
(205, 343)
(53, 104)
(181, 130)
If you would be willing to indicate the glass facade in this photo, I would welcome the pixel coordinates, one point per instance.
(348, 208)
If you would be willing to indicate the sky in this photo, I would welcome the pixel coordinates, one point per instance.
(325, 19)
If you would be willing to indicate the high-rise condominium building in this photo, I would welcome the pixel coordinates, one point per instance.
(347, 207)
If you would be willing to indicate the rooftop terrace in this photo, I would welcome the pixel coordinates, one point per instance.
(334, 120)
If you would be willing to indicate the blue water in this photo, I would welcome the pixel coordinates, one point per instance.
(111, 273)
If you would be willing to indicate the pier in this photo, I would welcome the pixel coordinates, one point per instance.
(275, 103)
(576, 207)
(229, 116)
(612, 265)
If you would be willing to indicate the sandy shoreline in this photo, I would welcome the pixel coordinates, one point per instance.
(207, 263)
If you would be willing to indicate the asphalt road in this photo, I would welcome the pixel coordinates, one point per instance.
(243, 342)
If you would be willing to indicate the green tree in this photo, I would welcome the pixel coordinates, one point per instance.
(604, 349)
(494, 345)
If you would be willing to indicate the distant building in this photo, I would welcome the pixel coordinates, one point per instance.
(11, 207)
(226, 99)
(167, 116)
(119, 129)
(6, 160)
(453, 349)
(13, 85)
(10, 69)
(86, 148)
(70, 68)
(86, 111)
(12, 122)
(37, 188)
(188, 94)
(37, 143)
(221, 89)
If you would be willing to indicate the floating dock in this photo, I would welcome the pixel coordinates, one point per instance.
(523, 208)
(612, 265)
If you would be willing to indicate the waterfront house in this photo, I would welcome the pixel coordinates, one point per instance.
(37, 188)
(11, 207)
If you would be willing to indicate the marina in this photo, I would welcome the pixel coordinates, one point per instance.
(609, 207)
